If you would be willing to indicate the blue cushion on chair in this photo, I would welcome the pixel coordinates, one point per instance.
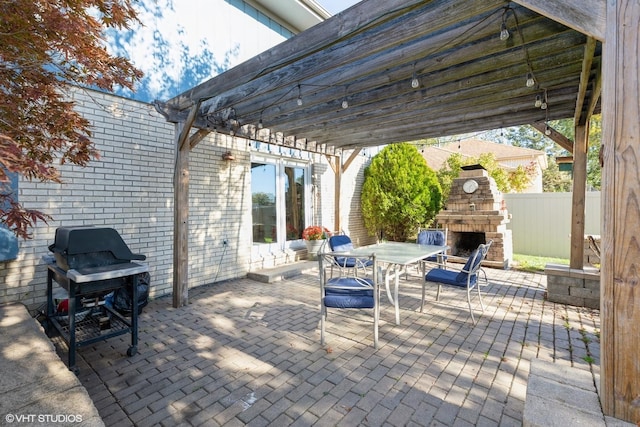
(348, 292)
(471, 264)
(340, 243)
(431, 237)
(449, 277)
(348, 286)
(348, 301)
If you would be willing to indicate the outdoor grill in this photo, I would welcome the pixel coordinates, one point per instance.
(91, 262)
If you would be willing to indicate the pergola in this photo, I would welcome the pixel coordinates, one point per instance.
(387, 71)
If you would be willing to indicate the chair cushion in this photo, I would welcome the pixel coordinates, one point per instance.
(348, 301)
(470, 265)
(340, 243)
(352, 262)
(431, 237)
(435, 258)
(349, 285)
(349, 292)
(448, 277)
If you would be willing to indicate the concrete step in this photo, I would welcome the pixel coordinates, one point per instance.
(559, 395)
(275, 274)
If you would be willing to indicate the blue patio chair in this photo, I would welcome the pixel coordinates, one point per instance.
(467, 278)
(434, 236)
(348, 292)
(342, 243)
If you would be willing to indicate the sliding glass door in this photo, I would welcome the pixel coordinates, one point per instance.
(281, 201)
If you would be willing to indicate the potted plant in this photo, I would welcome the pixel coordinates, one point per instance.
(314, 236)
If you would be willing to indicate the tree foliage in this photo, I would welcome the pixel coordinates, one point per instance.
(46, 45)
(554, 180)
(400, 193)
(513, 181)
(528, 137)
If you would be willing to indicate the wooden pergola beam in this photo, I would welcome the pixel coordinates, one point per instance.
(585, 16)
(555, 136)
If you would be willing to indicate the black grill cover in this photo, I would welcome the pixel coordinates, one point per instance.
(86, 246)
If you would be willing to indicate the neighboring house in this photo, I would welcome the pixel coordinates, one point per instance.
(508, 156)
(130, 188)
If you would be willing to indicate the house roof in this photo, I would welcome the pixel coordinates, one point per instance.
(297, 15)
(468, 78)
(437, 155)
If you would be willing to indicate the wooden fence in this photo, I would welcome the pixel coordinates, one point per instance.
(541, 222)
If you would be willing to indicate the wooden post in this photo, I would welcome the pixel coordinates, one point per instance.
(181, 223)
(620, 262)
(338, 180)
(578, 196)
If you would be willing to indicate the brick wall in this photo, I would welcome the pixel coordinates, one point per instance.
(130, 188)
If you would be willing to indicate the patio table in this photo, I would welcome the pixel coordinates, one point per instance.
(397, 256)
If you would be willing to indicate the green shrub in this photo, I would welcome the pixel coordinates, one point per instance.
(400, 193)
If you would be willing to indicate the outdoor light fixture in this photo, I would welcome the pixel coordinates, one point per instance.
(299, 100)
(260, 124)
(538, 102)
(228, 156)
(345, 104)
(415, 83)
(530, 80)
(504, 33)
(547, 130)
(543, 105)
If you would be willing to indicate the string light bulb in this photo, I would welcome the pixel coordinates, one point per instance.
(299, 100)
(543, 105)
(415, 83)
(530, 80)
(260, 124)
(345, 104)
(504, 32)
(538, 102)
(547, 130)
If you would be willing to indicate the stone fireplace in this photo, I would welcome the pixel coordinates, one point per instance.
(475, 213)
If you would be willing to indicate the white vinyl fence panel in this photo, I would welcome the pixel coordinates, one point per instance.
(541, 222)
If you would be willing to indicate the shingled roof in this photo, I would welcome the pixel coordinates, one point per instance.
(507, 155)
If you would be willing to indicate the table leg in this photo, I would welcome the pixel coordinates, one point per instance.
(396, 299)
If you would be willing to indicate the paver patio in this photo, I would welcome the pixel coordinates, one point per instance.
(248, 353)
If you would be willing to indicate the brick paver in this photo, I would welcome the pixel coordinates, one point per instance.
(248, 353)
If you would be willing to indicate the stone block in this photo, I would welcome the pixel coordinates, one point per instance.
(557, 289)
(565, 299)
(582, 292)
(592, 284)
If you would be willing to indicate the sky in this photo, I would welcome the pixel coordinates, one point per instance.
(336, 6)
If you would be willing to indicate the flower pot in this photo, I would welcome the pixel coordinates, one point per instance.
(313, 246)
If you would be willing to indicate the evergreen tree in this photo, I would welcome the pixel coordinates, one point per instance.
(400, 193)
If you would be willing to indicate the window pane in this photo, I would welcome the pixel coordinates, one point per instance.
(263, 195)
(294, 201)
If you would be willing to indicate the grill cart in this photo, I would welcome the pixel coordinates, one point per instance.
(91, 262)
